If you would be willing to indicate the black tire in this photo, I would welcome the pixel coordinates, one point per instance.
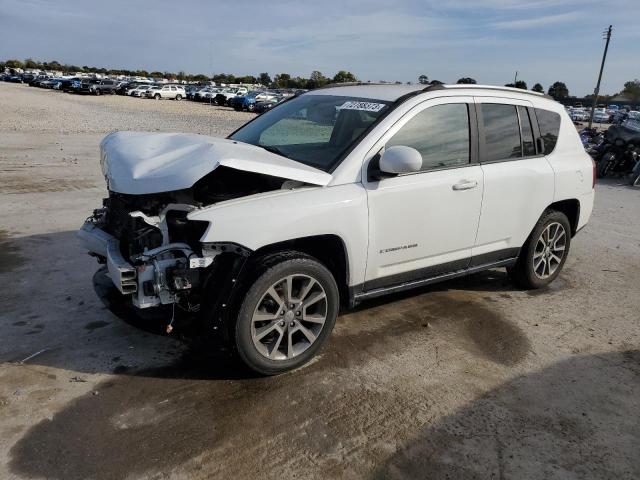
(267, 271)
(522, 273)
(635, 179)
(604, 165)
(157, 96)
(97, 92)
(178, 97)
(251, 107)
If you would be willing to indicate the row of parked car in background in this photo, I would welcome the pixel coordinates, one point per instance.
(611, 114)
(241, 98)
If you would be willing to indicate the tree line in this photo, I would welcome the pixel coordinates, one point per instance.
(558, 90)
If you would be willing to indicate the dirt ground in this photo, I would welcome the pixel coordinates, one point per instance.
(468, 379)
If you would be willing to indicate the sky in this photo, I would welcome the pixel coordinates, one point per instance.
(398, 40)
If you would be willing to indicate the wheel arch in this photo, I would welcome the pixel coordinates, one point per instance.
(329, 249)
(571, 208)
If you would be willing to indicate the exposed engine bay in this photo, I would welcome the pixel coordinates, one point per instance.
(152, 250)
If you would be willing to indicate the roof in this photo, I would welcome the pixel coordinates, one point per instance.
(391, 92)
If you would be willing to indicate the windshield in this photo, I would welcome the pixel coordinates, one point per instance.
(313, 129)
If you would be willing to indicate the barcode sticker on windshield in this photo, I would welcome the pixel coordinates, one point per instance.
(365, 106)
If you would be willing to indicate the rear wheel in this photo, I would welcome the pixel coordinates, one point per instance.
(287, 313)
(545, 252)
(178, 97)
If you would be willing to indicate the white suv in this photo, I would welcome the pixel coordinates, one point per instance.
(337, 196)
(175, 92)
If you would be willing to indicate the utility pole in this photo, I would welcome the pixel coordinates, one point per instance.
(515, 79)
(596, 92)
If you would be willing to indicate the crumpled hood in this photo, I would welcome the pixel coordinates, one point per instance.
(141, 162)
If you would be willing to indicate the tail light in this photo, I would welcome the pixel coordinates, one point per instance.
(593, 183)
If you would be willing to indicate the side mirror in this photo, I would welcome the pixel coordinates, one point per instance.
(400, 159)
(394, 161)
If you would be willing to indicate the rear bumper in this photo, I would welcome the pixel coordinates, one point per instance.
(99, 242)
(586, 208)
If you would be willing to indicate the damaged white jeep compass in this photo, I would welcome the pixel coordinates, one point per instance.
(335, 196)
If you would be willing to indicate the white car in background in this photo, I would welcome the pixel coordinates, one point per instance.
(210, 94)
(139, 91)
(600, 115)
(334, 197)
(172, 92)
(226, 94)
(579, 115)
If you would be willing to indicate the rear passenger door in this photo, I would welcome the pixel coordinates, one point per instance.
(518, 180)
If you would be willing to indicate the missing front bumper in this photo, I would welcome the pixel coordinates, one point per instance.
(97, 241)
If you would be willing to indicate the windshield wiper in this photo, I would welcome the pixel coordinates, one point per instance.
(275, 150)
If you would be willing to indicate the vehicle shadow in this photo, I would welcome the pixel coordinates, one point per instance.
(574, 419)
(57, 313)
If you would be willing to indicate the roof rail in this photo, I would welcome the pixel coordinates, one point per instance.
(439, 86)
(431, 88)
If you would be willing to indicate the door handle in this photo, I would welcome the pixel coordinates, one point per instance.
(465, 185)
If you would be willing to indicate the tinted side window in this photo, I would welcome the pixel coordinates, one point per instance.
(549, 124)
(501, 132)
(528, 147)
(440, 133)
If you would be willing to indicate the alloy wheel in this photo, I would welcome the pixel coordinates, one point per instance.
(289, 317)
(550, 250)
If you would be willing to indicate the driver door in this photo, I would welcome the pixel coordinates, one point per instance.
(424, 224)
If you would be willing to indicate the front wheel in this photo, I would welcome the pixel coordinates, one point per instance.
(543, 255)
(635, 175)
(97, 93)
(287, 313)
(157, 96)
(605, 164)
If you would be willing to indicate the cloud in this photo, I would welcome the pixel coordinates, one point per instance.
(537, 21)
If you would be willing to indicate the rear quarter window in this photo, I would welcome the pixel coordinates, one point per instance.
(549, 125)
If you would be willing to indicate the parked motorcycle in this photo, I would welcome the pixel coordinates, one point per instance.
(618, 153)
(621, 159)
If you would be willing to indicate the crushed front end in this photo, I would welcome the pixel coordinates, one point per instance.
(152, 252)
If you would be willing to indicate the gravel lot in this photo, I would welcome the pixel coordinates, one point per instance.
(468, 379)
